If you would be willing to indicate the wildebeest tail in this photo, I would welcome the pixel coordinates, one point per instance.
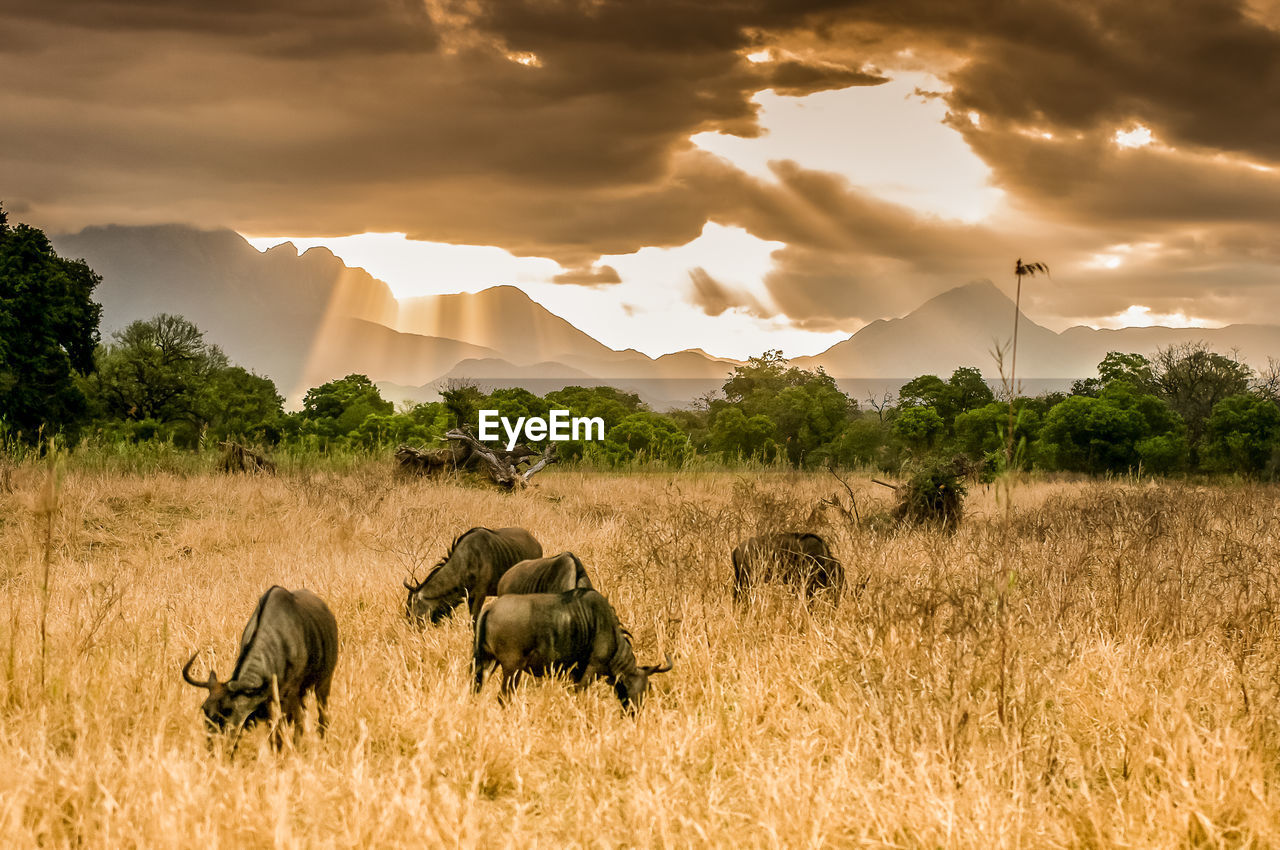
(580, 578)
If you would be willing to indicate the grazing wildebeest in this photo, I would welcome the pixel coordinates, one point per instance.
(576, 632)
(545, 575)
(802, 561)
(470, 570)
(292, 638)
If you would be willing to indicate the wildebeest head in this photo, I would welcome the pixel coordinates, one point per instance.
(425, 606)
(230, 706)
(631, 686)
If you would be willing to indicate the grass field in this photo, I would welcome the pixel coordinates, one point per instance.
(1096, 665)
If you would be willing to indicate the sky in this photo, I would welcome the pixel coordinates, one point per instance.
(731, 175)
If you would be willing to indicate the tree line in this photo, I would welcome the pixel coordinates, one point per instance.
(1184, 409)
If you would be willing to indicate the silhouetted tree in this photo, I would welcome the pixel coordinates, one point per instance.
(48, 331)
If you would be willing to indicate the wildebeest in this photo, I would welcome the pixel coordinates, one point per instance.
(545, 575)
(470, 570)
(802, 561)
(576, 632)
(291, 638)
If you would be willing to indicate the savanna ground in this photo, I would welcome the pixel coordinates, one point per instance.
(1095, 666)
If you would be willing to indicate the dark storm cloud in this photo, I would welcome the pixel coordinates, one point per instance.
(328, 117)
(332, 118)
(1093, 179)
(796, 79)
(298, 28)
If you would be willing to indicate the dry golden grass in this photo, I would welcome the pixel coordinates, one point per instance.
(1097, 667)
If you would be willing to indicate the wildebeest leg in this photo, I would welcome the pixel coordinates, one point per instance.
(475, 603)
(481, 658)
(296, 718)
(509, 681)
(481, 663)
(738, 577)
(322, 706)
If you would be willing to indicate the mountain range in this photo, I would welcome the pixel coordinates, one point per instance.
(306, 319)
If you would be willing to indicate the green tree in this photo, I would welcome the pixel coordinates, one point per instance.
(1193, 379)
(807, 409)
(337, 408)
(1242, 434)
(1133, 369)
(515, 402)
(980, 432)
(969, 390)
(861, 442)
(237, 403)
(464, 401)
(918, 427)
(610, 404)
(733, 434)
(158, 370)
(380, 430)
(646, 436)
(48, 331)
(965, 390)
(926, 391)
(1109, 433)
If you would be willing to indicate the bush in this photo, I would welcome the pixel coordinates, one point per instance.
(934, 493)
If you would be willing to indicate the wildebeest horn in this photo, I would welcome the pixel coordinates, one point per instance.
(408, 585)
(186, 674)
(664, 667)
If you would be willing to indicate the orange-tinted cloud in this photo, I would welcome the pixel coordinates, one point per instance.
(562, 130)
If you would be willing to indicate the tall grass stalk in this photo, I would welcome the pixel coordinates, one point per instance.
(47, 510)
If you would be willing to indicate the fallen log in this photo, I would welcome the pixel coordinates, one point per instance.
(502, 466)
(415, 461)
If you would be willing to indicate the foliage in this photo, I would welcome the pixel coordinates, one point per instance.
(965, 390)
(1192, 379)
(918, 427)
(933, 494)
(807, 411)
(980, 432)
(48, 331)
(863, 442)
(734, 435)
(160, 379)
(1102, 434)
(1242, 435)
(645, 435)
(337, 408)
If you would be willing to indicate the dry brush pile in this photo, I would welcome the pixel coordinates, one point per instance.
(1098, 665)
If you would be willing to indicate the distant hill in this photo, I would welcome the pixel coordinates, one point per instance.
(368, 348)
(493, 368)
(303, 320)
(505, 319)
(962, 326)
(264, 309)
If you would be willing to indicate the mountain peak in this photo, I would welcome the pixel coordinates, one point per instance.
(982, 293)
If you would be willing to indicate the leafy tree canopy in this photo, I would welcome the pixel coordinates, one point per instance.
(1242, 435)
(48, 331)
(338, 407)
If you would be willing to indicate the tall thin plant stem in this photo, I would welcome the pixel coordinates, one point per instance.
(48, 506)
(1019, 269)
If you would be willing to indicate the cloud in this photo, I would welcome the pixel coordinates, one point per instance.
(562, 130)
(590, 276)
(796, 78)
(714, 298)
